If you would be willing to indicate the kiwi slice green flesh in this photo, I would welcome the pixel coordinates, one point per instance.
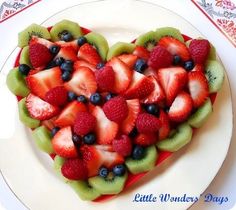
(107, 186)
(169, 31)
(42, 138)
(120, 48)
(182, 136)
(65, 25)
(145, 164)
(148, 40)
(99, 42)
(32, 30)
(25, 117)
(214, 72)
(24, 56)
(198, 118)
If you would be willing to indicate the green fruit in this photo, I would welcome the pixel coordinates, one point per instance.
(16, 83)
(147, 163)
(148, 40)
(169, 31)
(25, 117)
(105, 186)
(182, 136)
(32, 30)
(58, 163)
(198, 118)
(24, 56)
(42, 137)
(99, 42)
(120, 48)
(65, 25)
(215, 75)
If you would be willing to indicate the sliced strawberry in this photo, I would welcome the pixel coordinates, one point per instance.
(144, 139)
(43, 81)
(157, 95)
(198, 87)
(40, 109)
(72, 44)
(164, 130)
(80, 63)
(105, 129)
(123, 74)
(68, 53)
(181, 107)
(150, 72)
(128, 59)
(83, 82)
(69, 113)
(133, 111)
(175, 47)
(62, 143)
(45, 42)
(141, 52)
(172, 81)
(49, 123)
(140, 87)
(198, 67)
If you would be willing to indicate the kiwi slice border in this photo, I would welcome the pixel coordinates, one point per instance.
(169, 31)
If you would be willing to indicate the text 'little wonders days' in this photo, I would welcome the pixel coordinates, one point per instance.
(166, 197)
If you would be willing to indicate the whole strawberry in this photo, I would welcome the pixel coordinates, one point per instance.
(56, 96)
(122, 145)
(147, 123)
(84, 123)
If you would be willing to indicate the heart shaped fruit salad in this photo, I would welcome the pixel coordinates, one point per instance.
(107, 115)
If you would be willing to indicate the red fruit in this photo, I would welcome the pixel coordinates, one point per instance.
(69, 113)
(37, 61)
(40, 109)
(157, 95)
(198, 87)
(133, 111)
(145, 139)
(141, 52)
(33, 71)
(68, 53)
(49, 123)
(175, 47)
(88, 53)
(74, 169)
(147, 123)
(56, 96)
(122, 146)
(181, 107)
(84, 123)
(116, 109)
(73, 44)
(164, 130)
(140, 87)
(128, 59)
(199, 67)
(172, 80)
(78, 64)
(159, 58)
(38, 40)
(199, 50)
(105, 129)
(62, 143)
(105, 78)
(83, 82)
(41, 82)
(123, 75)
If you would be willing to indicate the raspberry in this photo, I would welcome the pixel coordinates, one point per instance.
(144, 139)
(147, 123)
(56, 96)
(116, 109)
(122, 146)
(160, 58)
(199, 50)
(74, 169)
(84, 123)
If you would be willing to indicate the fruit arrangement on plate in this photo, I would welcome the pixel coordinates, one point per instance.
(105, 115)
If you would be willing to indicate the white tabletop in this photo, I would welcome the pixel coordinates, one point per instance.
(224, 183)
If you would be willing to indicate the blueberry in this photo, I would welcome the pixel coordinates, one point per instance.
(119, 170)
(140, 65)
(66, 67)
(66, 36)
(59, 61)
(51, 65)
(133, 133)
(82, 99)
(69, 62)
(81, 40)
(100, 65)
(71, 96)
(109, 96)
(176, 60)
(188, 65)
(54, 49)
(152, 109)
(103, 172)
(138, 152)
(54, 131)
(77, 140)
(96, 99)
(66, 75)
(89, 138)
(24, 69)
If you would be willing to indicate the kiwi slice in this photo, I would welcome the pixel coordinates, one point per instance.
(65, 25)
(198, 118)
(24, 56)
(120, 48)
(42, 139)
(180, 138)
(148, 40)
(99, 42)
(110, 185)
(25, 117)
(145, 164)
(32, 30)
(58, 162)
(214, 72)
(169, 31)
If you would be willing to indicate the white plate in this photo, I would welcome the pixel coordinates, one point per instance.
(29, 172)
